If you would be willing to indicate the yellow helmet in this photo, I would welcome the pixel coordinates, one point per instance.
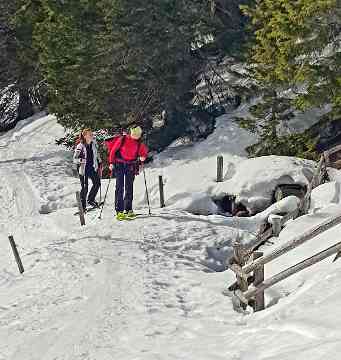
(136, 132)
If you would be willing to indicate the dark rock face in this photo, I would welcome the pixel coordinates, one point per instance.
(195, 125)
(329, 135)
(16, 105)
(9, 103)
(25, 106)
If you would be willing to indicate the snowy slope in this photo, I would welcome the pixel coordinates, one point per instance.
(139, 290)
(189, 172)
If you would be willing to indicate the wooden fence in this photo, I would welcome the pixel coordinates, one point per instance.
(248, 265)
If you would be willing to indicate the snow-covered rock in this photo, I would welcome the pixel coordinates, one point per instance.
(199, 204)
(255, 180)
(191, 169)
(284, 206)
(326, 194)
(334, 175)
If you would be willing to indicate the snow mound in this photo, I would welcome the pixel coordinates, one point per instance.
(326, 194)
(284, 206)
(334, 174)
(256, 179)
(199, 204)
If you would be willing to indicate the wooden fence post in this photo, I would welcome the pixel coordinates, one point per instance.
(276, 222)
(242, 280)
(220, 168)
(258, 274)
(16, 254)
(80, 208)
(162, 195)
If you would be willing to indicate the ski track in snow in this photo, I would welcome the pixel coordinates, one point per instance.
(137, 290)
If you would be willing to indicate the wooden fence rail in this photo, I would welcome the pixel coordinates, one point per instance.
(255, 295)
(250, 293)
(295, 242)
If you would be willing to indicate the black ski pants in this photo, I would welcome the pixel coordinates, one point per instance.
(125, 176)
(96, 183)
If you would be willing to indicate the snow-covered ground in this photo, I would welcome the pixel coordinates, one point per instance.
(140, 290)
(189, 172)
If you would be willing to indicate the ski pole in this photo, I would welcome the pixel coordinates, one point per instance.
(105, 196)
(147, 193)
(100, 172)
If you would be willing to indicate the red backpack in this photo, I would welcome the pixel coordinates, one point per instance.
(109, 143)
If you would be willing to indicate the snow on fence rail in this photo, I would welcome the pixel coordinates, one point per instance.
(254, 296)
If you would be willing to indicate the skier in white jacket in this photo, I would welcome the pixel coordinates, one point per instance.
(88, 161)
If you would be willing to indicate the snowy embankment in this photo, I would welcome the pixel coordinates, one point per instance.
(189, 172)
(139, 290)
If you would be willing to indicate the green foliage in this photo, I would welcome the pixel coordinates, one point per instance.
(298, 145)
(231, 27)
(266, 118)
(110, 62)
(18, 58)
(70, 41)
(297, 45)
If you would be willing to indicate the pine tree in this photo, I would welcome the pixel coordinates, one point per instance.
(19, 71)
(296, 48)
(297, 45)
(107, 62)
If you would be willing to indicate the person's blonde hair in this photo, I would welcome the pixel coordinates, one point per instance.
(83, 133)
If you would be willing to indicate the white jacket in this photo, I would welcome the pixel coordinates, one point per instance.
(81, 154)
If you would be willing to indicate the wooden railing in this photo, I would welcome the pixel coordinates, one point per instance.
(248, 265)
(253, 295)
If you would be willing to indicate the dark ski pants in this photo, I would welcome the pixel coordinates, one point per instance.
(125, 176)
(96, 183)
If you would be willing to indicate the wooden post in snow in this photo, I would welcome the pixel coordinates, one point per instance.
(16, 254)
(220, 168)
(259, 303)
(242, 279)
(315, 181)
(276, 222)
(161, 190)
(80, 208)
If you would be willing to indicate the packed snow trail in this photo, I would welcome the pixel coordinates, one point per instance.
(139, 290)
